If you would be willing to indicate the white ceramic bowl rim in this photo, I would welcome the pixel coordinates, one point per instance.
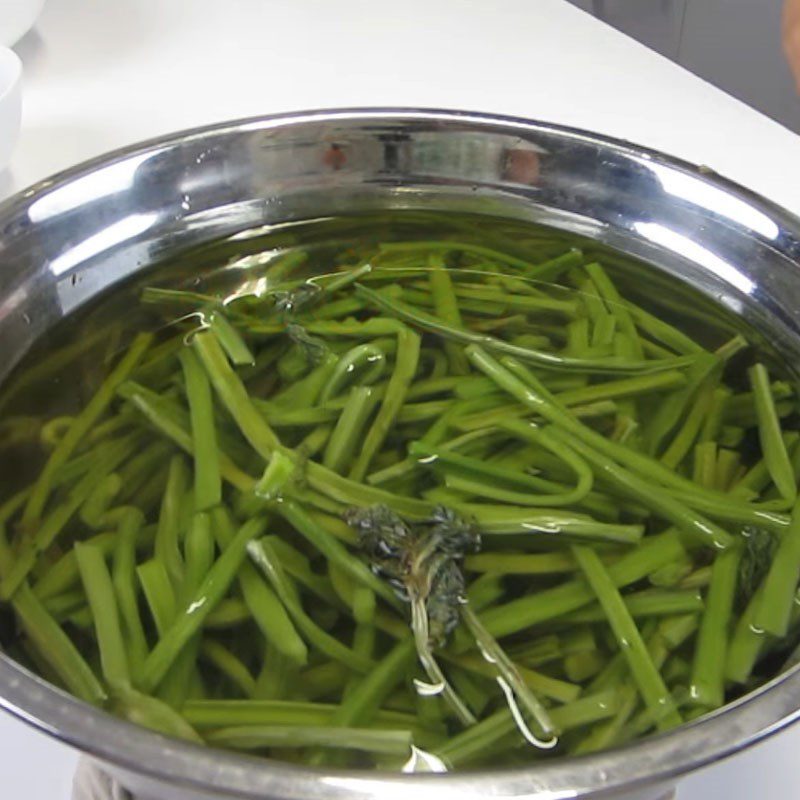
(10, 71)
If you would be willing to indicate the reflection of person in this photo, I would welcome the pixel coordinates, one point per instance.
(522, 166)
(791, 36)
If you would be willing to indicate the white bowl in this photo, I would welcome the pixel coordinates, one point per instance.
(17, 18)
(10, 103)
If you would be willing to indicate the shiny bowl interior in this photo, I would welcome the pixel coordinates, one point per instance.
(66, 239)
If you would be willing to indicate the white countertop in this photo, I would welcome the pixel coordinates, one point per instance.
(105, 74)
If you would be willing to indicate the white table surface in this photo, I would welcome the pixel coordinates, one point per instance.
(99, 75)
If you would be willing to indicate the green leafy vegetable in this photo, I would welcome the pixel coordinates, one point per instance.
(410, 491)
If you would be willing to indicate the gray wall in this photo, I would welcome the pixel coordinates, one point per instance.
(734, 44)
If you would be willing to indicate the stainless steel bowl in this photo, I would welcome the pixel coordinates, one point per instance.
(66, 239)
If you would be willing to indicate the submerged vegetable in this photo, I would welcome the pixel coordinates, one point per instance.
(423, 564)
(408, 492)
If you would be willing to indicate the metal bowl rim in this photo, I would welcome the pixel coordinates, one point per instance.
(137, 750)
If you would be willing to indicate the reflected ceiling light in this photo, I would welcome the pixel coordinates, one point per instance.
(104, 182)
(701, 193)
(679, 243)
(114, 234)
